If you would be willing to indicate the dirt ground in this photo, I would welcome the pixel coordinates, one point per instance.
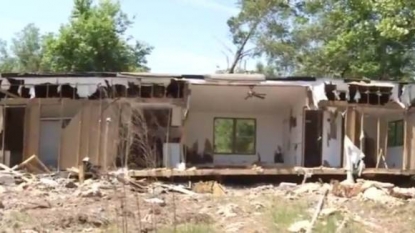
(62, 205)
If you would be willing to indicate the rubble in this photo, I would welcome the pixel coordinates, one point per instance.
(300, 226)
(57, 194)
(7, 179)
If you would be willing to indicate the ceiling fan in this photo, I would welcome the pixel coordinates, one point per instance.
(251, 93)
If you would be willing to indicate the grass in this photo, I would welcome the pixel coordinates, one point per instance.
(189, 228)
(283, 213)
(19, 219)
(330, 224)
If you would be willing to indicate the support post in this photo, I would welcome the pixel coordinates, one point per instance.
(405, 143)
(60, 132)
(98, 155)
(349, 168)
(167, 136)
(3, 134)
(88, 133)
(105, 161)
(378, 155)
(78, 156)
(362, 125)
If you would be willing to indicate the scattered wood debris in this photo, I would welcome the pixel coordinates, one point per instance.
(212, 187)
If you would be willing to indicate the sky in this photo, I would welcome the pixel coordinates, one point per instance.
(188, 36)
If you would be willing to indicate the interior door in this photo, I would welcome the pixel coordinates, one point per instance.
(49, 142)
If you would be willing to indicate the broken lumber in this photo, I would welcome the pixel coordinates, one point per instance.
(24, 163)
(14, 172)
(178, 189)
(317, 212)
(42, 165)
(136, 185)
(81, 174)
(27, 162)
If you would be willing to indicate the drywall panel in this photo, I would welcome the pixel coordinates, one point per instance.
(332, 138)
(293, 125)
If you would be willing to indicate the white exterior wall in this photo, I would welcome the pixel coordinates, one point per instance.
(272, 130)
(332, 146)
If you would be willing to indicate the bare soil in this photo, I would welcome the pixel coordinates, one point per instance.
(103, 206)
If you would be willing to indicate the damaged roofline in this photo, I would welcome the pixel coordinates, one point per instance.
(87, 83)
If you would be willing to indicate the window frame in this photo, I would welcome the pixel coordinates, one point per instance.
(395, 141)
(234, 137)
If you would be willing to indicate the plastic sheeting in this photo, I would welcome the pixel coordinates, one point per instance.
(354, 156)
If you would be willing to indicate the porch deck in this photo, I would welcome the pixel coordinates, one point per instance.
(200, 172)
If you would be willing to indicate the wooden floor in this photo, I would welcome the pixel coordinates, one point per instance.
(163, 172)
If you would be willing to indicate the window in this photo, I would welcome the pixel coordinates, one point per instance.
(234, 136)
(395, 133)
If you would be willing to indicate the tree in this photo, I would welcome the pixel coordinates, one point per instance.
(354, 38)
(94, 40)
(27, 49)
(25, 52)
(7, 63)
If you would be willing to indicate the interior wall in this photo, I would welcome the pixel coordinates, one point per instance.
(272, 131)
(199, 128)
(394, 155)
(293, 135)
(332, 139)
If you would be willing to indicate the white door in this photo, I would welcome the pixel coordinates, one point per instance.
(49, 142)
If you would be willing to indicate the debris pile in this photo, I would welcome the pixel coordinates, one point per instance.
(25, 192)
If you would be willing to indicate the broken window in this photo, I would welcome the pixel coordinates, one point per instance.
(234, 136)
(395, 133)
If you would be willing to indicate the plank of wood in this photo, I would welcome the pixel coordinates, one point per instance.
(81, 174)
(24, 163)
(317, 212)
(42, 165)
(178, 189)
(14, 172)
(405, 159)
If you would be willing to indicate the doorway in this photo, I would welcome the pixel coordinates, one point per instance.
(13, 135)
(49, 142)
(313, 138)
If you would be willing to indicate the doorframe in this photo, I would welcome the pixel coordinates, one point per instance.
(54, 119)
(6, 106)
(305, 109)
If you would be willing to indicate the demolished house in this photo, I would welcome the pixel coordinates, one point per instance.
(144, 120)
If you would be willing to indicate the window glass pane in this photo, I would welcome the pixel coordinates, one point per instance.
(391, 134)
(245, 136)
(245, 145)
(223, 135)
(399, 133)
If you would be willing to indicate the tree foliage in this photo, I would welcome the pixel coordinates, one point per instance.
(352, 38)
(94, 39)
(24, 53)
